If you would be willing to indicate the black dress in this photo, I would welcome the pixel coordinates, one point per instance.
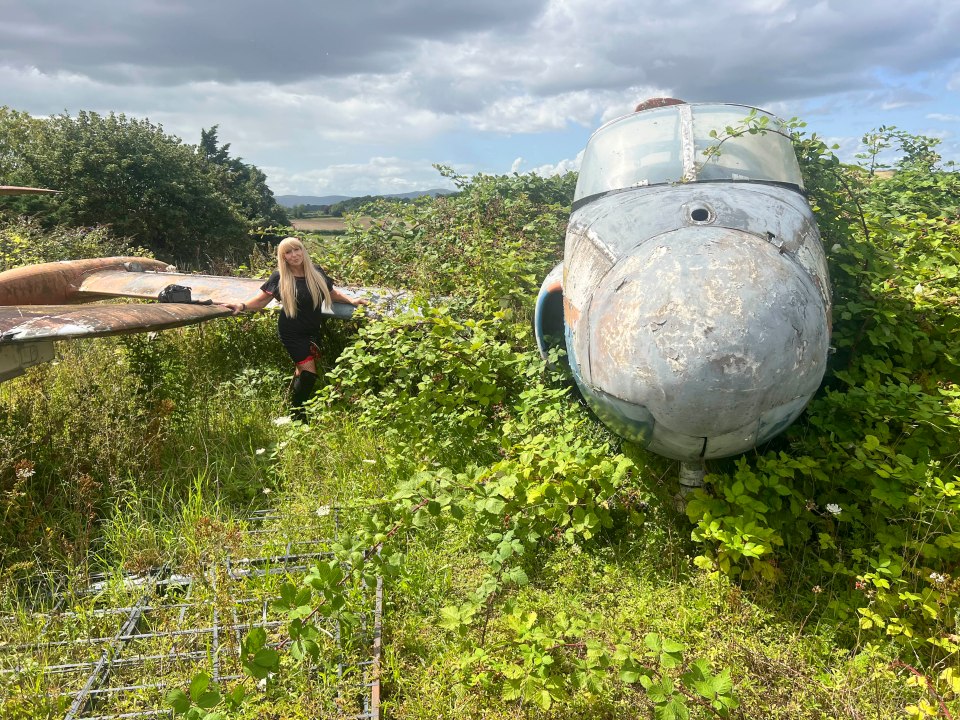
(296, 333)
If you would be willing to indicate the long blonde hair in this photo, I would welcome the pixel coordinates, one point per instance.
(316, 284)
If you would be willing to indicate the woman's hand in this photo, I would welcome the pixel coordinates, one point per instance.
(357, 302)
(258, 302)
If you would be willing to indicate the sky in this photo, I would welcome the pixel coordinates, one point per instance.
(357, 98)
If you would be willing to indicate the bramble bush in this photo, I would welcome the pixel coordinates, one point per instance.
(865, 484)
(482, 437)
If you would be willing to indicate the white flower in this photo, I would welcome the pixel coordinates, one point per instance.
(261, 451)
(323, 510)
(938, 577)
(281, 445)
(833, 508)
(267, 491)
(282, 420)
(918, 290)
(836, 248)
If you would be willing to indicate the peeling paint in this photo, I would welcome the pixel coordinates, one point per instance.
(697, 313)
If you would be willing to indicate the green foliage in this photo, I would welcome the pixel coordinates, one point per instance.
(245, 185)
(534, 563)
(491, 243)
(188, 204)
(23, 241)
(865, 485)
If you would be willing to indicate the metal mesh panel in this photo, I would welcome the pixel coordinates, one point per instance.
(114, 648)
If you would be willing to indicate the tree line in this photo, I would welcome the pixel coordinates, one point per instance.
(192, 204)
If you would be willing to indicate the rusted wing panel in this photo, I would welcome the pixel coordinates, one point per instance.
(57, 283)
(61, 322)
(147, 285)
(14, 190)
(220, 289)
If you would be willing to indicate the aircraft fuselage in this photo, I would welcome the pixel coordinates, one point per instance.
(696, 313)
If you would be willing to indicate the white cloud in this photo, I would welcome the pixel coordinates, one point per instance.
(310, 92)
(559, 168)
(378, 175)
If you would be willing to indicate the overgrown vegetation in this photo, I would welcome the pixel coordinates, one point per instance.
(535, 564)
(194, 205)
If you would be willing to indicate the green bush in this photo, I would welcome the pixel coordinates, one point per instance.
(861, 495)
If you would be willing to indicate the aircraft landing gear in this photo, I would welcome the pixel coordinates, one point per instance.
(691, 478)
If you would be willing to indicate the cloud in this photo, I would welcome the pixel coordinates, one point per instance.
(176, 41)
(943, 117)
(378, 175)
(559, 168)
(304, 85)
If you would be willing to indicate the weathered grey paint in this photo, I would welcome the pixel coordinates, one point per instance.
(697, 314)
(15, 359)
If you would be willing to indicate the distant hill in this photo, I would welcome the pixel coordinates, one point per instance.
(294, 200)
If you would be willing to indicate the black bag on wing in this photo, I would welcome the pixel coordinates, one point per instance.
(175, 294)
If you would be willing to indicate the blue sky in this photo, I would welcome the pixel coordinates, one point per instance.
(362, 98)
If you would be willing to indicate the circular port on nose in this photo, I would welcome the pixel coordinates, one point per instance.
(700, 214)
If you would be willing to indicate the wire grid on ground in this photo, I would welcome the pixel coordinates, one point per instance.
(116, 647)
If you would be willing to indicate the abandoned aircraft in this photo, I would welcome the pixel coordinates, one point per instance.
(40, 304)
(693, 299)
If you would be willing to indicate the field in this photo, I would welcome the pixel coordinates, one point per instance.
(325, 225)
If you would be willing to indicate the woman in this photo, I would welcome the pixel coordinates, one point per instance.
(303, 289)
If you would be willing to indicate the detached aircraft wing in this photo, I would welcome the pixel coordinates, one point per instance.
(14, 190)
(40, 304)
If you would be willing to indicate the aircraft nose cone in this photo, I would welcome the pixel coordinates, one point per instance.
(708, 329)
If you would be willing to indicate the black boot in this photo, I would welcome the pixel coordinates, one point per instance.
(302, 391)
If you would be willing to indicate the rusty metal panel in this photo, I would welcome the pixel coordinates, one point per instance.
(56, 283)
(225, 289)
(60, 322)
(14, 190)
(147, 285)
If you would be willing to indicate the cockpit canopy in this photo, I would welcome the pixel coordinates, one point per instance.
(674, 144)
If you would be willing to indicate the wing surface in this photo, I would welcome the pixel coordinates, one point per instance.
(222, 289)
(14, 190)
(28, 323)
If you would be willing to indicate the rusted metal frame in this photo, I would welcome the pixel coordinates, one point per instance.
(124, 716)
(377, 648)
(102, 669)
(68, 668)
(216, 622)
(106, 612)
(111, 659)
(137, 636)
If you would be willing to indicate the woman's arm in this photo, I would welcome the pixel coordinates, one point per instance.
(339, 297)
(258, 302)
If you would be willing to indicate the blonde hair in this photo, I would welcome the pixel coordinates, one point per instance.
(316, 284)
